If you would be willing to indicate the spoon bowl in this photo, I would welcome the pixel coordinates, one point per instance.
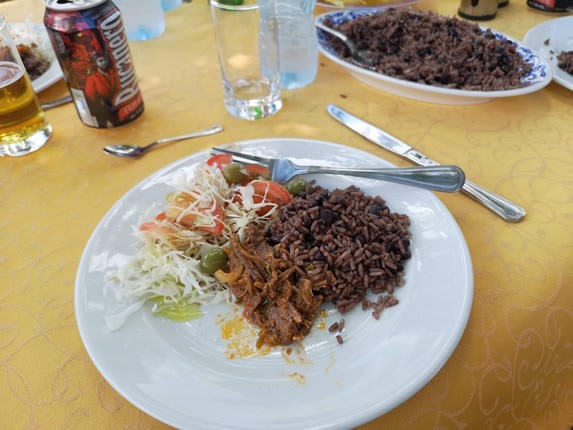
(135, 151)
(364, 57)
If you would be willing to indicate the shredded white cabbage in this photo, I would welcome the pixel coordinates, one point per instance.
(166, 267)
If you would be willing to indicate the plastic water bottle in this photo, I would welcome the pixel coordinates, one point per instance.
(298, 45)
(167, 5)
(143, 19)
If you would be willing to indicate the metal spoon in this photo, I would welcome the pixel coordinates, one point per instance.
(364, 57)
(134, 151)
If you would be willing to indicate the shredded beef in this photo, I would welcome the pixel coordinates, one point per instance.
(274, 296)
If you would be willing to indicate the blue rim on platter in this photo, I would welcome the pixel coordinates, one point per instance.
(380, 5)
(538, 78)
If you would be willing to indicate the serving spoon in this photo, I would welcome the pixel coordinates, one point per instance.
(134, 151)
(363, 57)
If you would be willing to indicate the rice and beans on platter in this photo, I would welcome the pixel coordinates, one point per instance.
(429, 52)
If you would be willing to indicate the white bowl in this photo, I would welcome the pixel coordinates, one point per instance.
(549, 39)
(28, 33)
(538, 78)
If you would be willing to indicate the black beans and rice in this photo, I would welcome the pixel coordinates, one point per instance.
(347, 243)
(428, 48)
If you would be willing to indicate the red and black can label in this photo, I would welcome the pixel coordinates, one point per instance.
(552, 5)
(93, 51)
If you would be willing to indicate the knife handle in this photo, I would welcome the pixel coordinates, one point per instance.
(509, 211)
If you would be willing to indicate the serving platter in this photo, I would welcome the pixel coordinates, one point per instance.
(549, 39)
(363, 4)
(181, 373)
(537, 79)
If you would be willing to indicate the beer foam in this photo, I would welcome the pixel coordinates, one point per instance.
(9, 72)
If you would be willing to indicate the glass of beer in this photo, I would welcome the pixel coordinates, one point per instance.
(23, 128)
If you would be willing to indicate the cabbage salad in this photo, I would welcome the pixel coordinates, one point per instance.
(182, 262)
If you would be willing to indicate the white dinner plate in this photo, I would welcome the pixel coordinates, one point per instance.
(551, 38)
(179, 372)
(538, 78)
(27, 33)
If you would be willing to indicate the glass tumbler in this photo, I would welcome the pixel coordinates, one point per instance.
(143, 19)
(23, 127)
(247, 48)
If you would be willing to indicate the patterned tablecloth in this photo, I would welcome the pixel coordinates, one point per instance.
(514, 365)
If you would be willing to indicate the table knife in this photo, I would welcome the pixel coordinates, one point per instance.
(501, 206)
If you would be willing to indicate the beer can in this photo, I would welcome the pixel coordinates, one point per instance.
(552, 5)
(91, 46)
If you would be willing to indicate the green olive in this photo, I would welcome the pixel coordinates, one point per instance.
(213, 260)
(296, 186)
(235, 173)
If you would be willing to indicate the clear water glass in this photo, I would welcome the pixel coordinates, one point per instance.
(168, 5)
(298, 44)
(247, 49)
(23, 127)
(143, 19)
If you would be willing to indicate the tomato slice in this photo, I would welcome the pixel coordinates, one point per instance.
(218, 214)
(161, 216)
(256, 171)
(178, 202)
(220, 160)
(269, 191)
(148, 226)
(194, 221)
(153, 227)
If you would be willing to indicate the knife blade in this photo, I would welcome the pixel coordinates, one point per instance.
(506, 209)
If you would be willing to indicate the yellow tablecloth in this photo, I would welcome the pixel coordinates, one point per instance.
(514, 365)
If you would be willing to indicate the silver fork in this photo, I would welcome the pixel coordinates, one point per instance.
(444, 178)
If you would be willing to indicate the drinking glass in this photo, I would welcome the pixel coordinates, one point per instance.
(168, 5)
(246, 36)
(143, 19)
(23, 127)
(298, 45)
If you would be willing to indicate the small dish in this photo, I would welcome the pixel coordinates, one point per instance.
(49, 78)
(28, 33)
(549, 39)
(538, 78)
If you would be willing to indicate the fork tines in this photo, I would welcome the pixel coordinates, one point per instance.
(239, 155)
